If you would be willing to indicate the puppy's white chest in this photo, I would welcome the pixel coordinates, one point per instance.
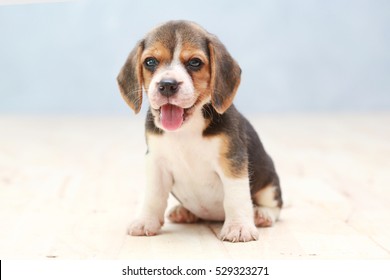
(192, 161)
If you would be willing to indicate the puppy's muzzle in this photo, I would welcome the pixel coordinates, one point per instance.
(168, 87)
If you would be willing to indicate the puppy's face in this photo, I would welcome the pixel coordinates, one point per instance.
(176, 74)
(181, 67)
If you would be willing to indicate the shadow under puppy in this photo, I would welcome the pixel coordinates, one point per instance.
(200, 148)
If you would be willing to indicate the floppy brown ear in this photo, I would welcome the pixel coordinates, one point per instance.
(130, 79)
(225, 76)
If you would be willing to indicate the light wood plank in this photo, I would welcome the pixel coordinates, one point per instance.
(69, 186)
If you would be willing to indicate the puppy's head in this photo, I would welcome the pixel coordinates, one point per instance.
(181, 67)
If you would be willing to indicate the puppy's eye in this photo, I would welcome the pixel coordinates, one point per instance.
(151, 63)
(194, 64)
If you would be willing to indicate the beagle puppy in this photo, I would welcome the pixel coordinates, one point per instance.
(200, 148)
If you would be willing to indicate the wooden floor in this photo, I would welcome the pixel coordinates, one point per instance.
(69, 186)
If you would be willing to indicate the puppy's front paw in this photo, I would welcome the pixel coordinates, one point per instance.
(238, 232)
(145, 226)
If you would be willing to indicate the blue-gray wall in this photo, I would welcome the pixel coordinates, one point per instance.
(296, 56)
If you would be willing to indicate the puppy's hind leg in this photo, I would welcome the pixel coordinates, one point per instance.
(267, 205)
(179, 214)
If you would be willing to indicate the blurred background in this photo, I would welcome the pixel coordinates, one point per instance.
(296, 56)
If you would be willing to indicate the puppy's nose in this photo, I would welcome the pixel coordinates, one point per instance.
(168, 87)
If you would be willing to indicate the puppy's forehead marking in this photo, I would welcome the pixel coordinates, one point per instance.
(157, 50)
(164, 35)
(174, 34)
(177, 51)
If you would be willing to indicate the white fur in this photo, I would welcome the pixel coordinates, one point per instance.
(187, 164)
(191, 160)
(266, 197)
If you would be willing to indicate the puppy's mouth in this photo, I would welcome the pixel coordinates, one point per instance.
(172, 117)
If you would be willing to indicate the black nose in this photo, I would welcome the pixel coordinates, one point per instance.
(168, 87)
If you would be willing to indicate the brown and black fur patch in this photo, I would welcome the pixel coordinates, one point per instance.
(245, 147)
(225, 75)
(130, 78)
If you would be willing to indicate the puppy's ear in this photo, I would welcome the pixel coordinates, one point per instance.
(225, 75)
(130, 78)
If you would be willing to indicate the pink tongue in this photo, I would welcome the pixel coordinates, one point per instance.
(171, 116)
